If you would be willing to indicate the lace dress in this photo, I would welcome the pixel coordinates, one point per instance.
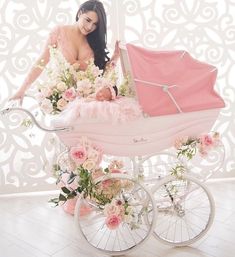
(58, 38)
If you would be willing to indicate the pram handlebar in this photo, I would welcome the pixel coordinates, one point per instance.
(14, 107)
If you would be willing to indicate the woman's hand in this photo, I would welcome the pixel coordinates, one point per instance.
(19, 95)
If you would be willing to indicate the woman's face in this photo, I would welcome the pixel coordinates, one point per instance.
(87, 22)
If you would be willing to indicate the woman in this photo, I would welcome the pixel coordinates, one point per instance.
(78, 43)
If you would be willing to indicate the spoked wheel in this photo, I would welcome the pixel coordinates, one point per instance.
(185, 210)
(109, 234)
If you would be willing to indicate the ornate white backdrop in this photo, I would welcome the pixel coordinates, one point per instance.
(204, 28)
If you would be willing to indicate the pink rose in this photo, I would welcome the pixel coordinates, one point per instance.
(61, 104)
(113, 221)
(107, 183)
(206, 140)
(69, 94)
(78, 154)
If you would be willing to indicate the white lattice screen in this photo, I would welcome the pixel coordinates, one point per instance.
(204, 28)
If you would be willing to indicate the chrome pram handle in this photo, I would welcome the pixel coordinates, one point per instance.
(10, 109)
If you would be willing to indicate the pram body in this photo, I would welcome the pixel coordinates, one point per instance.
(144, 136)
(167, 117)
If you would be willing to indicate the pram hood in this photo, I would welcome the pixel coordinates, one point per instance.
(168, 82)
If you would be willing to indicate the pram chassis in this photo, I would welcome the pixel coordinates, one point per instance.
(164, 204)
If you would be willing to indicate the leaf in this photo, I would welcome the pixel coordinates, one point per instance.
(65, 190)
(62, 198)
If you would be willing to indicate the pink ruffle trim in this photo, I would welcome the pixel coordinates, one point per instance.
(120, 110)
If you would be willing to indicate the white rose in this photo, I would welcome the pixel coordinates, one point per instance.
(46, 91)
(61, 104)
(89, 165)
(112, 209)
(46, 106)
(61, 86)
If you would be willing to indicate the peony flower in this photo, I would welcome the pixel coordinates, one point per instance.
(89, 164)
(61, 86)
(78, 154)
(61, 104)
(113, 221)
(69, 94)
(113, 209)
(46, 106)
(206, 140)
(46, 91)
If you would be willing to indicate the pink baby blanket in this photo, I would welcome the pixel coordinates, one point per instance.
(168, 82)
(120, 110)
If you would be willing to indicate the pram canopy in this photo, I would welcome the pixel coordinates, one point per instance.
(168, 82)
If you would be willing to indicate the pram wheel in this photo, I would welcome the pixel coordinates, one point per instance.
(132, 231)
(185, 210)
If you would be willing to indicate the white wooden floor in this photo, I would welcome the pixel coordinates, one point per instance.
(29, 227)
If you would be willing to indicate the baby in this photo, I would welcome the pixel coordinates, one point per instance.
(103, 105)
(105, 94)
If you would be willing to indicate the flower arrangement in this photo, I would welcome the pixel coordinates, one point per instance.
(60, 87)
(78, 172)
(66, 82)
(188, 147)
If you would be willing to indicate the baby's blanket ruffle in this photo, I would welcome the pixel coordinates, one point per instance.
(122, 109)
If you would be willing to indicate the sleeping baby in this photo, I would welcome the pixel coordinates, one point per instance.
(103, 105)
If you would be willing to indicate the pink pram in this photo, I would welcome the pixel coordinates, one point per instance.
(177, 96)
(176, 210)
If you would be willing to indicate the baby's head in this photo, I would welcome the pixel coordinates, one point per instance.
(106, 93)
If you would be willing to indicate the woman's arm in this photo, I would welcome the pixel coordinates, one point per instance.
(111, 64)
(35, 71)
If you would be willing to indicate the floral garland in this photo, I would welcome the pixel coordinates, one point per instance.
(78, 172)
(188, 147)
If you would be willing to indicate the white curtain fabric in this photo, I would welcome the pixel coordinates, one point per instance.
(206, 29)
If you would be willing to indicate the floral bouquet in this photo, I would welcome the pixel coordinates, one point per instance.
(66, 82)
(188, 147)
(78, 172)
(60, 88)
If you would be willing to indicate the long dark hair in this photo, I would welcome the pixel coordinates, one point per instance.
(98, 38)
